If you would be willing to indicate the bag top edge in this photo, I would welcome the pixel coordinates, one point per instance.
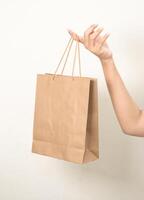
(58, 75)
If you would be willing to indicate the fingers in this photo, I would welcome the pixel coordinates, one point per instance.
(92, 36)
(75, 36)
(87, 34)
(97, 39)
(103, 39)
(96, 33)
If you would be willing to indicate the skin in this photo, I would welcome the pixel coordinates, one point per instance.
(129, 115)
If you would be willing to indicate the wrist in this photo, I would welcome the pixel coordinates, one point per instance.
(109, 68)
(107, 61)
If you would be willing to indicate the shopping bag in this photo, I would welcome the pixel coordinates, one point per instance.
(66, 115)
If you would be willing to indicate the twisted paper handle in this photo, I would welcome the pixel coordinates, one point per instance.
(68, 47)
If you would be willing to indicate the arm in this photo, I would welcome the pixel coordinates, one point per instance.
(129, 115)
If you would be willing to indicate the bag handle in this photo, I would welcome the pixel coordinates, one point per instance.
(68, 47)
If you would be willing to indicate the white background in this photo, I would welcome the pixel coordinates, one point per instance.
(33, 35)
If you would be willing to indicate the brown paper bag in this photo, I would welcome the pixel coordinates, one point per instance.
(66, 117)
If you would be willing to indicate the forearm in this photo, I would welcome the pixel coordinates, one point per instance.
(127, 112)
(130, 117)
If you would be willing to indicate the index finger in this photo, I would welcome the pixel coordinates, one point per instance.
(75, 36)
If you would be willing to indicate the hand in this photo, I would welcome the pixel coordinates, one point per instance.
(94, 42)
